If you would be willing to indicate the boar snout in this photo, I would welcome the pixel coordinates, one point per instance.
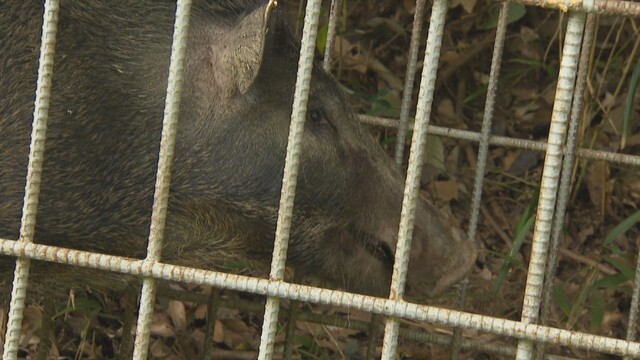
(440, 256)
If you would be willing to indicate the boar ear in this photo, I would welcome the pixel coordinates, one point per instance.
(243, 53)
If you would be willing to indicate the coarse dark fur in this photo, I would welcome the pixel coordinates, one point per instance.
(109, 84)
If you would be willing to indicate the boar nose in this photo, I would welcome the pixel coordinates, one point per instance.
(441, 255)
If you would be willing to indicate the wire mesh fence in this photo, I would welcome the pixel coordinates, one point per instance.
(560, 155)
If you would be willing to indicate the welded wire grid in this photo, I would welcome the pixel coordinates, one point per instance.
(412, 184)
(290, 179)
(324, 296)
(483, 151)
(526, 330)
(34, 175)
(567, 169)
(331, 34)
(407, 93)
(163, 177)
(550, 175)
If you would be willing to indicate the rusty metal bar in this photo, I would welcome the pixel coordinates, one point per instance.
(316, 295)
(407, 92)
(625, 159)
(483, 151)
(34, 175)
(604, 7)
(412, 183)
(567, 171)
(290, 179)
(163, 177)
(550, 176)
(331, 34)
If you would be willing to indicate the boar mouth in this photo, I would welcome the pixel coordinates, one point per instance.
(380, 250)
(385, 254)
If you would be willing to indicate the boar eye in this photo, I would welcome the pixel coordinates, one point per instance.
(317, 116)
(384, 253)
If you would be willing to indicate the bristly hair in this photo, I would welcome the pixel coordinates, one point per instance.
(232, 7)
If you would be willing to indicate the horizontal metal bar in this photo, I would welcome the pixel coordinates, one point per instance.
(407, 333)
(286, 290)
(605, 7)
(625, 159)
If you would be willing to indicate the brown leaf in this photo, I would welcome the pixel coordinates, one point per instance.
(201, 312)
(527, 34)
(218, 332)
(446, 190)
(468, 5)
(158, 349)
(509, 159)
(161, 326)
(450, 57)
(486, 274)
(446, 108)
(235, 325)
(178, 314)
(31, 324)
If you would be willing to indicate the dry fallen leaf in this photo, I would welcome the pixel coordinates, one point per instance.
(527, 34)
(159, 349)
(218, 332)
(32, 322)
(509, 158)
(446, 190)
(178, 314)
(236, 334)
(468, 5)
(486, 274)
(161, 325)
(522, 111)
(201, 312)
(450, 57)
(446, 108)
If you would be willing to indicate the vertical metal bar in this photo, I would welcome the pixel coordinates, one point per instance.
(163, 177)
(374, 332)
(290, 179)
(130, 303)
(565, 179)
(416, 156)
(331, 34)
(550, 174)
(48, 312)
(212, 311)
(409, 78)
(483, 150)
(34, 175)
(294, 309)
(633, 312)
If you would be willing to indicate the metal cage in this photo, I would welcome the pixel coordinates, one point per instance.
(560, 154)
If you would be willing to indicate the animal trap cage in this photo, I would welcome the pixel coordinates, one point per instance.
(560, 154)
